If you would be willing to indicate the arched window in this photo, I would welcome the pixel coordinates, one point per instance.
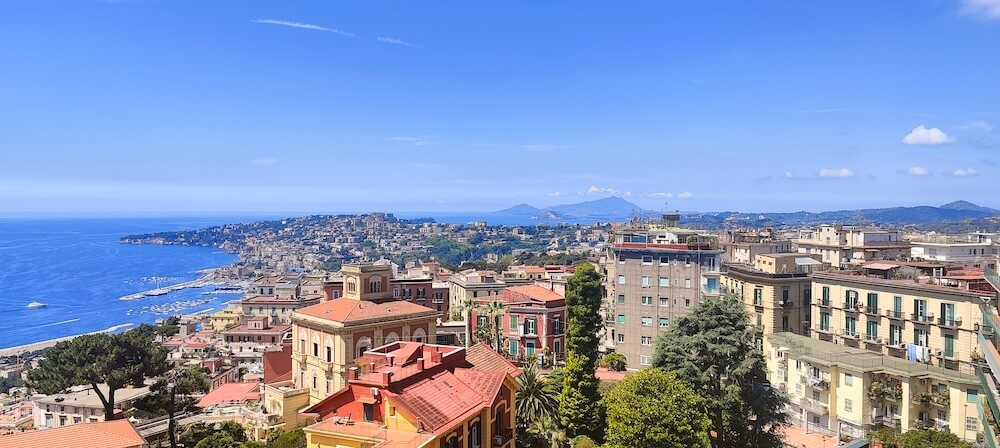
(303, 336)
(419, 335)
(364, 344)
(476, 434)
(329, 349)
(392, 337)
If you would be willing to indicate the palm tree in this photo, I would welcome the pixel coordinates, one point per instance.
(465, 309)
(536, 398)
(548, 428)
(495, 309)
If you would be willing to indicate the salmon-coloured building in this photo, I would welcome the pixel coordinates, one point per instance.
(533, 320)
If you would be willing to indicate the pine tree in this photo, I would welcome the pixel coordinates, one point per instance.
(580, 409)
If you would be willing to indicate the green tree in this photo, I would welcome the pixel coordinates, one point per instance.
(713, 350)
(295, 438)
(583, 442)
(219, 440)
(535, 398)
(114, 360)
(547, 433)
(579, 403)
(614, 361)
(174, 393)
(926, 438)
(495, 310)
(654, 408)
(227, 431)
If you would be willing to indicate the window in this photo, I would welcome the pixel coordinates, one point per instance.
(621, 298)
(621, 318)
(971, 395)
(824, 321)
(646, 321)
(329, 385)
(476, 434)
(872, 302)
(513, 347)
(826, 295)
(784, 323)
(329, 354)
(871, 329)
(644, 281)
(949, 346)
(645, 360)
(530, 326)
(687, 303)
(895, 334)
(513, 322)
(315, 382)
(647, 340)
(848, 405)
(758, 296)
(664, 322)
(621, 338)
(557, 348)
(971, 424)
(848, 379)
(687, 283)
(646, 300)
(316, 349)
(664, 282)
(664, 301)
(647, 259)
(621, 279)
(920, 337)
(664, 260)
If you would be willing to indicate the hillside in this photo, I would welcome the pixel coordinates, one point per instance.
(607, 209)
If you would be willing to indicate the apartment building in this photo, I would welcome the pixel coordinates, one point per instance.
(776, 290)
(741, 246)
(533, 323)
(419, 288)
(470, 284)
(975, 249)
(278, 296)
(987, 362)
(843, 246)
(80, 405)
(850, 391)
(654, 273)
(908, 319)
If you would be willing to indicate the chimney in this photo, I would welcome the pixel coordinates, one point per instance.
(386, 378)
(355, 373)
(435, 357)
(392, 359)
(420, 363)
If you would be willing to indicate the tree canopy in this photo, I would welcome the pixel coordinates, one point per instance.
(653, 408)
(580, 409)
(923, 438)
(116, 360)
(713, 350)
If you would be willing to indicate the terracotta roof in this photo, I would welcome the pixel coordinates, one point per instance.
(349, 310)
(231, 393)
(438, 400)
(533, 291)
(278, 364)
(482, 356)
(113, 434)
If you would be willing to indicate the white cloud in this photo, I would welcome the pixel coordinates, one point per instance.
(543, 147)
(264, 161)
(921, 135)
(917, 171)
(661, 194)
(685, 195)
(416, 141)
(627, 194)
(969, 172)
(789, 175)
(555, 194)
(836, 172)
(304, 26)
(595, 190)
(394, 41)
(978, 125)
(984, 9)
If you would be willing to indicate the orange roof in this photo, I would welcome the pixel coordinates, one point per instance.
(231, 393)
(113, 434)
(352, 311)
(443, 398)
(482, 356)
(533, 291)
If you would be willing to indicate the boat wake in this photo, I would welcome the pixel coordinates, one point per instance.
(59, 323)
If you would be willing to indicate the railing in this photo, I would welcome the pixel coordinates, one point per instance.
(871, 310)
(989, 351)
(873, 339)
(849, 334)
(814, 406)
(922, 318)
(893, 314)
(989, 385)
(817, 382)
(785, 303)
(501, 438)
(992, 278)
(989, 432)
(851, 306)
(953, 322)
(942, 399)
(824, 302)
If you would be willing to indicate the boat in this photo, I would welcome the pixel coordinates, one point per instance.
(34, 305)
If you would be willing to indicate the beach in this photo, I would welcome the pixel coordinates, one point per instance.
(12, 351)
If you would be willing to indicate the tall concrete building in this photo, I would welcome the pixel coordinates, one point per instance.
(776, 290)
(987, 362)
(844, 246)
(655, 272)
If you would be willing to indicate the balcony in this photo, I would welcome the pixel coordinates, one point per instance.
(849, 334)
(940, 399)
(816, 382)
(503, 437)
(919, 318)
(955, 322)
(873, 339)
(990, 394)
(893, 314)
(851, 307)
(815, 406)
(871, 311)
(892, 421)
(824, 303)
(785, 303)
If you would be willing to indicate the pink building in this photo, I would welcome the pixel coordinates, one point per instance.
(533, 321)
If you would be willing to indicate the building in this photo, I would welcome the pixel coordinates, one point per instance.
(741, 246)
(468, 285)
(277, 297)
(842, 246)
(907, 319)
(225, 318)
(851, 391)
(533, 322)
(976, 250)
(776, 290)
(421, 289)
(987, 361)
(113, 434)
(655, 273)
(80, 405)
(256, 335)
(409, 394)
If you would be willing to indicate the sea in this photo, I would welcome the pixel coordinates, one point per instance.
(79, 270)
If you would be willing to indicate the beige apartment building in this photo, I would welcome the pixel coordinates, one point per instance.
(930, 324)
(850, 391)
(655, 273)
(80, 405)
(471, 285)
(843, 246)
(776, 290)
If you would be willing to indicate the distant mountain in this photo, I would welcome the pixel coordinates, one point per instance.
(969, 207)
(609, 209)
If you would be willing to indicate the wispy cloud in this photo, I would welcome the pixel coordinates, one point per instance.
(968, 172)
(984, 9)
(415, 141)
(543, 148)
(394, 41)
(918, 171)
(836, 172)
(595, 190)
(922, 135)
(977, 125)
(696, 80)
(304, 26)
(264, 161)
(555, 194)
(661, 194)
(685, 195)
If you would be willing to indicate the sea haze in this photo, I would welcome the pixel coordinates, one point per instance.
(78, 268)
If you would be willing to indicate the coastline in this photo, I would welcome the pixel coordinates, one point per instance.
(208, 277)
(35, 346)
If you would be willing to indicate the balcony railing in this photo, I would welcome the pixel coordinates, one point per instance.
(950, 322)
(503, 437)
(824, 302)
(785, 303)
(871, 310)
(817, 382)
(851, 306)
(989, 431)
(922, 318)
(873, 339)
(849, 334)
(989, 385)
(814, 406)
(893, 314)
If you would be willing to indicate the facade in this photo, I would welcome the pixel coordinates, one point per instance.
(908, 319)
(976, 250)
(741, 246)
(277, 297)
(80, 405)
(255, 336)
(654, 273)
(842, 246)
(776, 290)
(409, 394)
(987, 361)
(468, 285)
(533, 323)
(850, 391)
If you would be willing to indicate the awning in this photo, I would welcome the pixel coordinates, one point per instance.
(807, 261)
(880, 266)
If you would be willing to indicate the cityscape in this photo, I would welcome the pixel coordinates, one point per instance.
(516, 225)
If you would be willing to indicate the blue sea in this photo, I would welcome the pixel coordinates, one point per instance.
(79, 269)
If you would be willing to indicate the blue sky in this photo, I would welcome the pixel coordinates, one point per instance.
(189, 106)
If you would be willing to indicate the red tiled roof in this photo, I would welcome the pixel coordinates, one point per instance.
(113, 434)
(482, 356)
(536, 292)
(231, 393)
(277, 364)
(349, 310)
(438, 400)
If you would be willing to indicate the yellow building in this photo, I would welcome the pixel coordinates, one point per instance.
(420, 395)
(849, 391)
(987, 359)
(776, 290)
(224, 319)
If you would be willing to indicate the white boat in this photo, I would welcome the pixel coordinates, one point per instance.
(34, 305)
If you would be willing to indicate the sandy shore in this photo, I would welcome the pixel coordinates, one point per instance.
(11, 351)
